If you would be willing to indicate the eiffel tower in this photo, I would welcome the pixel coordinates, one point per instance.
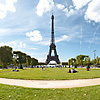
(52, 47)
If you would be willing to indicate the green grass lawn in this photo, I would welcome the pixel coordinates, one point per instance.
(50, 74)
(8, 92)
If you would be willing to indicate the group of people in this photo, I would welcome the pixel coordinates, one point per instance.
(88, 68)
(15, 69)
(43, 67)
(72, 70)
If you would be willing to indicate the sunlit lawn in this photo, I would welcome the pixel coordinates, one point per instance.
(50, 74)
(8, 92)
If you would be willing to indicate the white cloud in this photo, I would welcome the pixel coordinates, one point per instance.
(33, 48)
(4, 32)
(63, 38)
(93, 11)
(68, 12)
(34, 36)
(44, 6)
(80, 3)
(59, 39)
(14, 44)
(13, 31)
(65, 10)
(60, 6)
(44, 43)
(71, 12)
(22, 45)
(41, 59)
(7, 5)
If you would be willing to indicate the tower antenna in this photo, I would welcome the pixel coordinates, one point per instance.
(52, 10)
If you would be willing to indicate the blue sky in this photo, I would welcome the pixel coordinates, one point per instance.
(25, 25)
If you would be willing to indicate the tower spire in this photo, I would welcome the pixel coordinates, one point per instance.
(52, 32)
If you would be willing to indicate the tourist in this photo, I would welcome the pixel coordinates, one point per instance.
(42, 67)
(88, 68)
(69, 71)
(72, 70)
(45, 67)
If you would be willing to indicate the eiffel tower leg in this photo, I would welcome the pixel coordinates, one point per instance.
(55, 52)
(50, 52)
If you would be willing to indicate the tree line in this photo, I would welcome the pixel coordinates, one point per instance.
(83, 60)
(18, 58)
(9, 57)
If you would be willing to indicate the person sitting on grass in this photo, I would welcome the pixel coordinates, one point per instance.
(15, 70)
(74, 71)
(87, 69)
(69, 71)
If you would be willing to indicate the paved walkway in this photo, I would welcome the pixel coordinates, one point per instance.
(51, 83)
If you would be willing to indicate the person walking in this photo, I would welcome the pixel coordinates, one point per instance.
(42, 67)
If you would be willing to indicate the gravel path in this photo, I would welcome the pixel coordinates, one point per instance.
(51, 83)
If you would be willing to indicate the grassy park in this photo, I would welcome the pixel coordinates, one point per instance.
(8, 92)
(49, 74)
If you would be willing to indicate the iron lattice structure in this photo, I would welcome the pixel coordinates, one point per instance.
(52, 47)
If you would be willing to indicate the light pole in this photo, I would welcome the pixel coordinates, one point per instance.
(94, 56)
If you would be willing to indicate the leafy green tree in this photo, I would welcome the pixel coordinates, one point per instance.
(69, 62)
(64, 63)
(1, 64)
(92, 62)
(97, 60)
(72, 62)
(20, 57)
(34, 62)
(14, 61)
(28, 60)
(88, 60)
(80, 59)
(6, 55)
(41, 63)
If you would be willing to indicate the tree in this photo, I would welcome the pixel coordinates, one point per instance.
(88, 60)
(41, 63)
(6, 55)
(69, 62)
(28, 60)
(34, 62)
(92, 62)
(80, 59)
(1, 64)
(64, 63)
(20, 57)
(97, 60)
(72, 62)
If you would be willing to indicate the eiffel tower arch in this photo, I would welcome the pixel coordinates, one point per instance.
(55, 57)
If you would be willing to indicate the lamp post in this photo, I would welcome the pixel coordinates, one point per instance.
(94, 56)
